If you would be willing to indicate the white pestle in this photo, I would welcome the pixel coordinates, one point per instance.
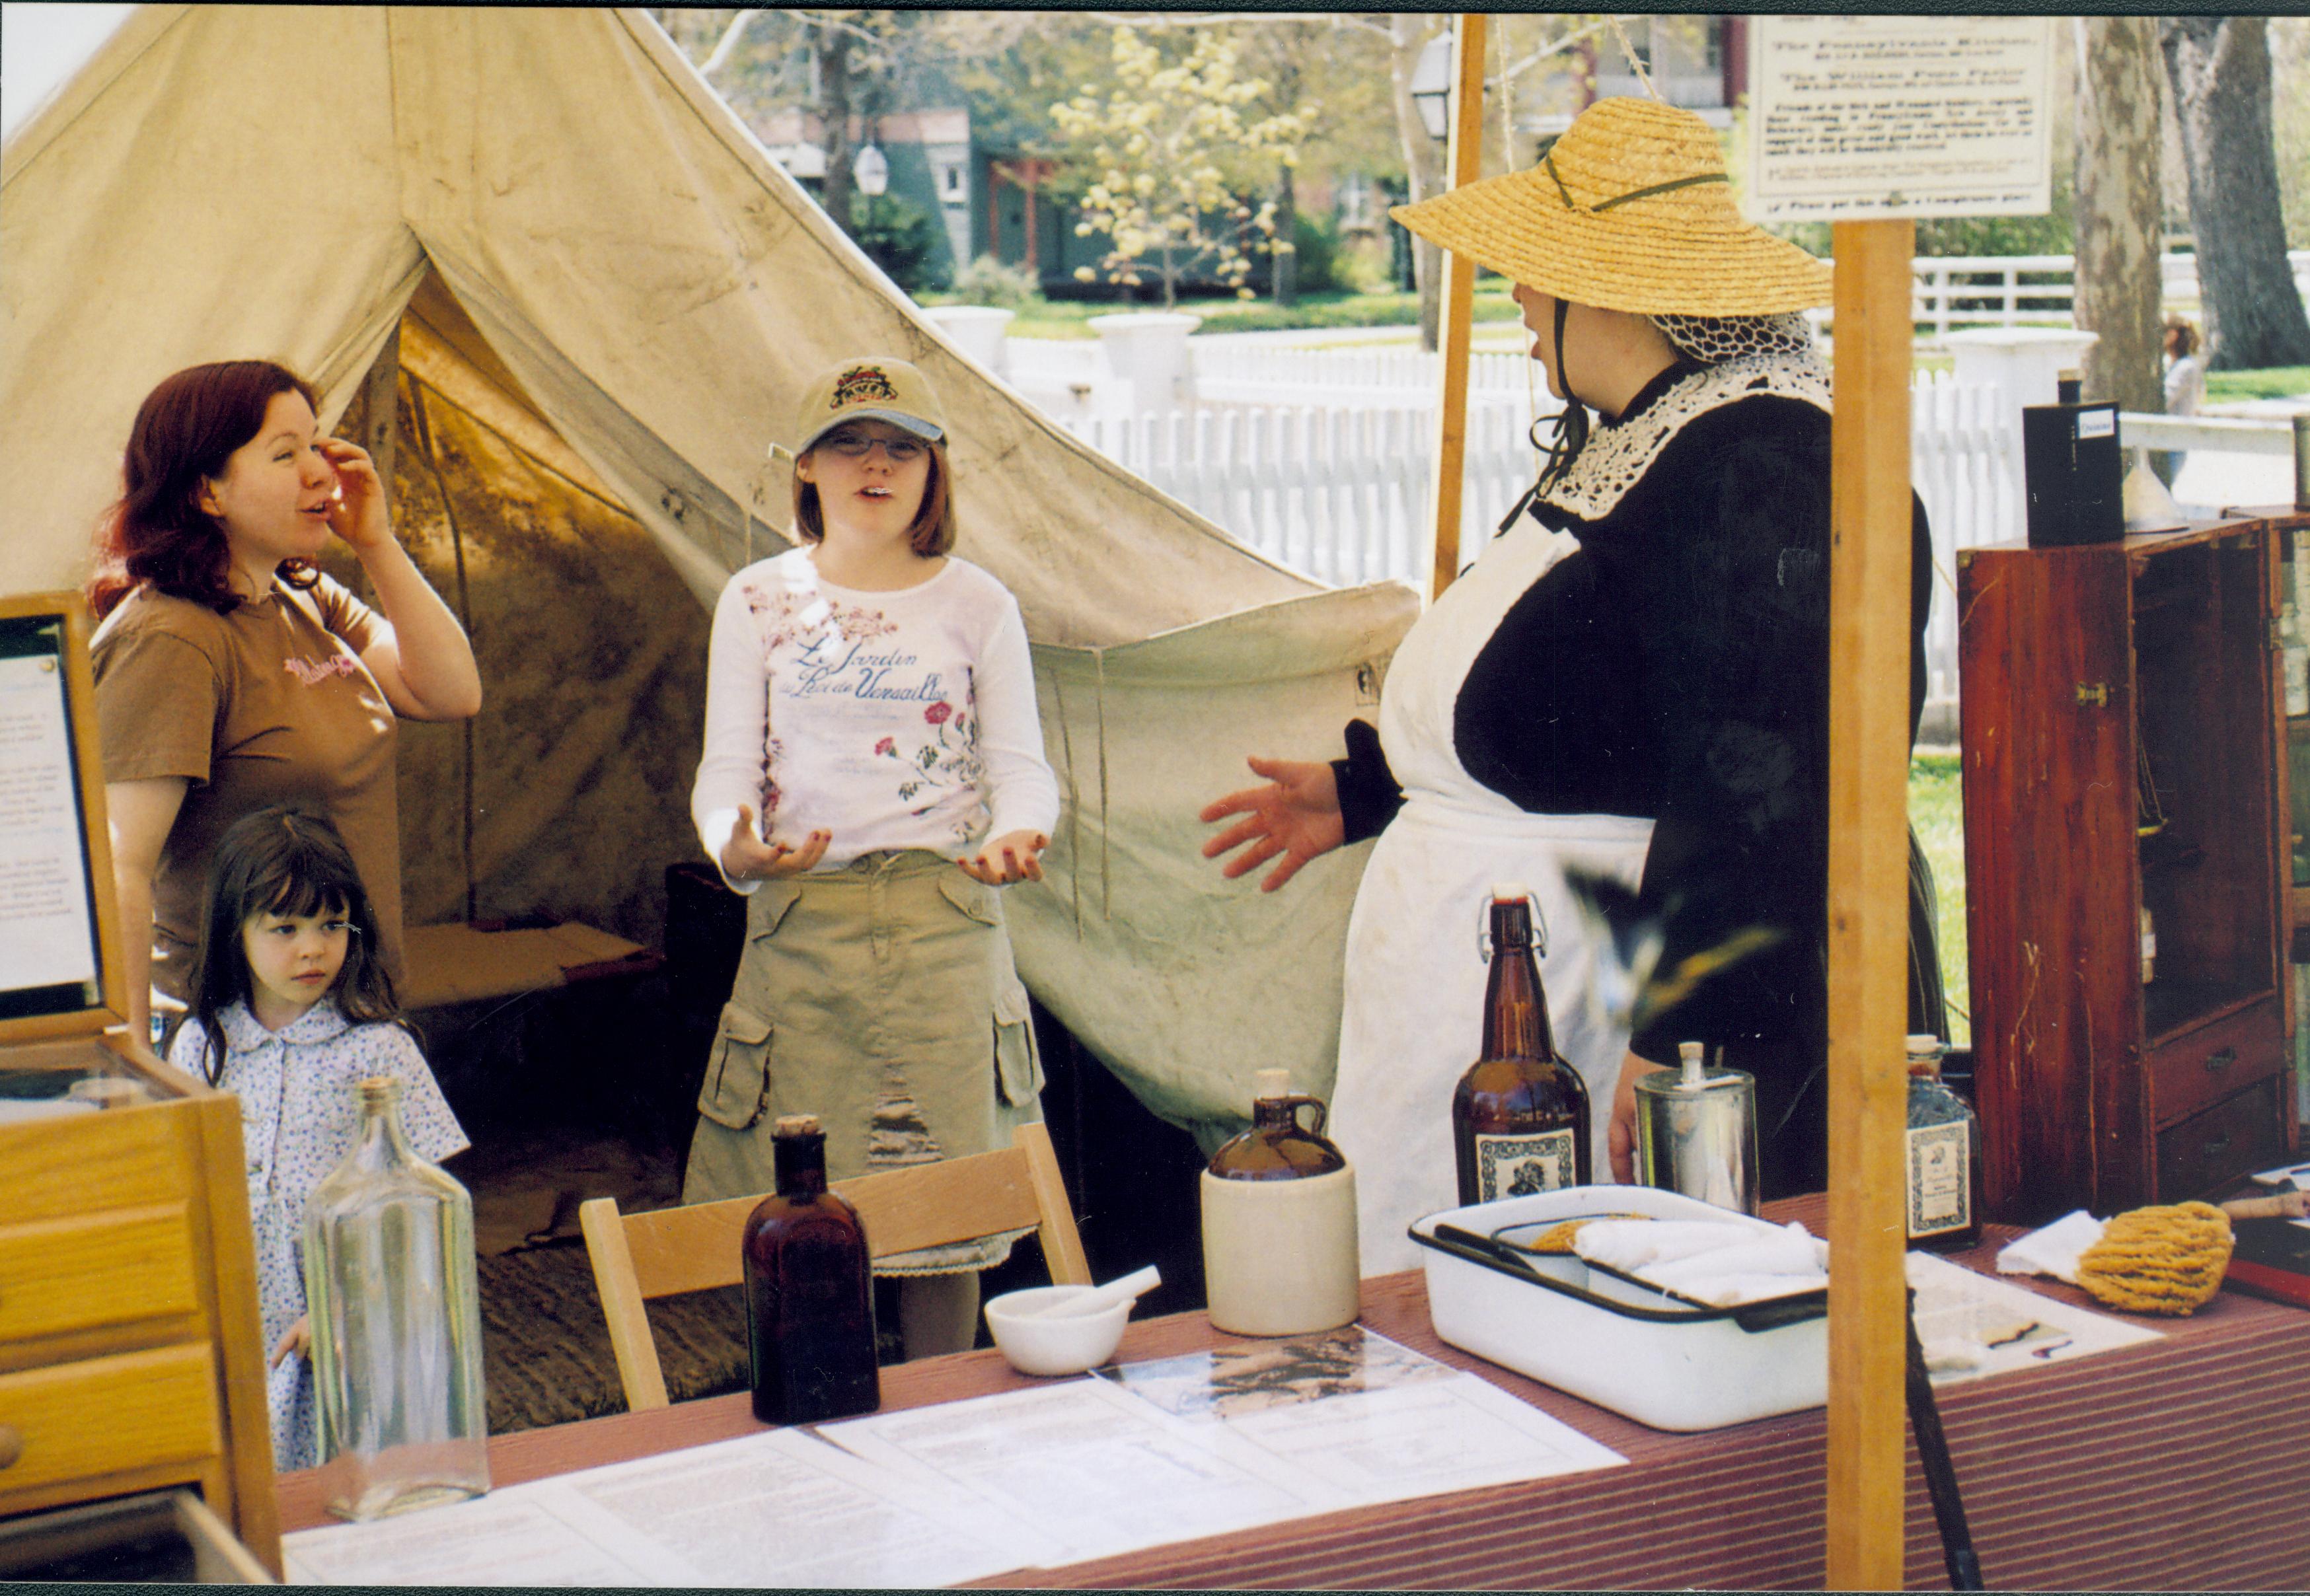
(1123, 1289)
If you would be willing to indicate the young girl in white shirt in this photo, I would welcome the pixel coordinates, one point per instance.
(290, 1008)
(873, 770)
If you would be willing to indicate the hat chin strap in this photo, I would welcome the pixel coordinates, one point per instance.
(1571, 433)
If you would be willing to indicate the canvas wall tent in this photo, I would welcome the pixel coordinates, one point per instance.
(538, 241)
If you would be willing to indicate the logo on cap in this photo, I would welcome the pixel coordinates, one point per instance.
(860, 384)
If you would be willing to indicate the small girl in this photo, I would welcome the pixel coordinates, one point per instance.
(290, 1006)
(870, 697)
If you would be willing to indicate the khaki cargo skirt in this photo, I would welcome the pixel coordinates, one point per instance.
(881, 997)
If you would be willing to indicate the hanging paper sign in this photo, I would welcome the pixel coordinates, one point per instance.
(1852, 117)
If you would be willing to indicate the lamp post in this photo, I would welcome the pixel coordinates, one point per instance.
(1431, 85)
(871, 172)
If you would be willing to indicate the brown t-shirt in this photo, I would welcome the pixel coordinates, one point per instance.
(268, 704)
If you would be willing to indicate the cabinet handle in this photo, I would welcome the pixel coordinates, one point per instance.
(12, 1445)
(2219, 1061)
(2218, 1145)
(2096, 693)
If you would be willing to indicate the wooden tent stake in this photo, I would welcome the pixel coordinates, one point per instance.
(1868, 900)
(1465, 164)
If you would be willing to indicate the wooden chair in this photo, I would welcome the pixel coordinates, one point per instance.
(669, 1251)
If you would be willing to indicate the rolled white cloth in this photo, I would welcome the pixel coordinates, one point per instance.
(2052, 1249)
(1722, 1264)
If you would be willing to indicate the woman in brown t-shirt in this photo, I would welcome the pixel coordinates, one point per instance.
(230, 673)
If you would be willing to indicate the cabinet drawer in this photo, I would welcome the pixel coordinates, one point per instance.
(124, 1157)
(2239, 1133)
(72, 1420)
(2200, 1067)
(107, 1269)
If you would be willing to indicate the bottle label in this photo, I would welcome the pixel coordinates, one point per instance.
(1523, 1165)
(1940, 1186)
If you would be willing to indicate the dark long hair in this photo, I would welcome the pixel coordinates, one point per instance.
(280, 860)
(184, 432)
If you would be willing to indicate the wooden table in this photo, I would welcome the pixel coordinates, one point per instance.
(2175, 1465)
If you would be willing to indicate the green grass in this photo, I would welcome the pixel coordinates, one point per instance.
(2272, 382)
(1070, 318)
(1937, 812)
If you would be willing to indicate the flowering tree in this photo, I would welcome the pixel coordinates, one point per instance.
(1166, 155)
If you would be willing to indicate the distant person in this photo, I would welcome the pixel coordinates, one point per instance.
(290, 1008)
(231, 673)
(1631, 682)
(2185, 391)
(870, 697)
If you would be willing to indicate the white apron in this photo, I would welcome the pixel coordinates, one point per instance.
(1413, 1016)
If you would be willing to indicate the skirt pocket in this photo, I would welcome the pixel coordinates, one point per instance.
(1017, 1064)
(737, 1089)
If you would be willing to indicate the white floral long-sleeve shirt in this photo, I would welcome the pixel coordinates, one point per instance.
(299, 1115)
(901, 719)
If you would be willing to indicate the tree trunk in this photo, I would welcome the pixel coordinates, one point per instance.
(1423, 165)
(2119, 203)
(2219, 68)
(1284, 242)
(834, 115)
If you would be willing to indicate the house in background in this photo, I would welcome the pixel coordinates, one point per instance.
(932, 162)
(1700, 62)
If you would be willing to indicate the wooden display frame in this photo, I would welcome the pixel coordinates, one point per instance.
(96, 836)
(130, 1354)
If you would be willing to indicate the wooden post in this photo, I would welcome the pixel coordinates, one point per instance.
(1464, 164)
(1868, 900)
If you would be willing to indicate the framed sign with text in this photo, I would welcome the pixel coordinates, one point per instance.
(1853, 117)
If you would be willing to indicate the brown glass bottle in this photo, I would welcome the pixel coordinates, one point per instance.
(1520, 1114)
(810, 1299)
(1943, 1161)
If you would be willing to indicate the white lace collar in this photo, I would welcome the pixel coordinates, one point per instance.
(1618, 453)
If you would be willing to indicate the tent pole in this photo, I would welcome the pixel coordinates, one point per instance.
(1868, 902)
(1465, 163)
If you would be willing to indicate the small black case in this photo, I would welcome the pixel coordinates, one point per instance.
(2072, 466)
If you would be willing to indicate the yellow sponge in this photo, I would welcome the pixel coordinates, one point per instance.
(2168, 1259)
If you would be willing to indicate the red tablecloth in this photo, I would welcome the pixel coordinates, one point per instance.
(2181, 1464)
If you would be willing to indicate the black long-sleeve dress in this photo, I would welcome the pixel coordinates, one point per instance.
(1676, 666)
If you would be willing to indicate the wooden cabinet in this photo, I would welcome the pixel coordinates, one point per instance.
(129, 1357)
(2122, 753)
(129, 1352)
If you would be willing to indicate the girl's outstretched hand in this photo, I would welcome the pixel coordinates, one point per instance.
(297, 1339)
(1296, 814)
(1014, 856)
(746, 857)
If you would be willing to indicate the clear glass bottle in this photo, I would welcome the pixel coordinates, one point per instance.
(1944, 1172)
(396, 1321)
(1520, 1114)
(809, 1293)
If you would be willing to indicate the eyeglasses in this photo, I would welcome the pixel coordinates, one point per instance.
(857, 446)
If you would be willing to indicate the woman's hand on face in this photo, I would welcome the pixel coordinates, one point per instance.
(747, 858)
(1296, 814)
(1014, 856)
(358, 514)
(297, 1338)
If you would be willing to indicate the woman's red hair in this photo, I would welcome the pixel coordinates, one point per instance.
(157, 535)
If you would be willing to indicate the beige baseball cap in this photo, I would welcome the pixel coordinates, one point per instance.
(872, 387)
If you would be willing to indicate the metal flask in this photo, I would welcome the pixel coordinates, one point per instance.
(1697, 1131)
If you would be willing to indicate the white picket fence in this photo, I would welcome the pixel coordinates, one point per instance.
(1341, 493)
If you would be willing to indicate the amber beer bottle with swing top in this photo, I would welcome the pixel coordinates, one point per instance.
(810, 1299)
(1520, 1114)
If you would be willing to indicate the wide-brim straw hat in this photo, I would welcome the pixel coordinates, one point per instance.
(1631, 209)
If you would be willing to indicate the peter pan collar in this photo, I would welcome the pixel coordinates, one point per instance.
(319, 1023)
